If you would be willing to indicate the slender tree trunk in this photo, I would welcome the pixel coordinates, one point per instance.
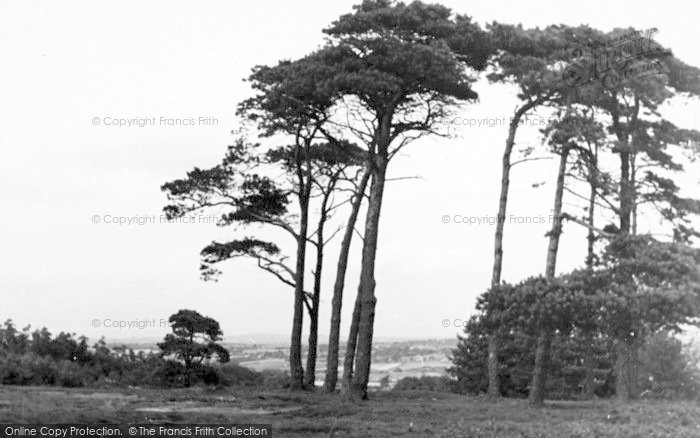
(625, 194)
(350, 347)
(296, 372)
(626, 199)
(590, 253)
(339, 286)
(633, 194)
(555, 232)
(493, 365)
(188, 372)
(310, 377)
(310, 374)
(188, 363)
(295, 365)
(505, 185)
(626, 386)
(368, 300)
(494, 389)
(544, 338)
(588, 356)
(503, 204)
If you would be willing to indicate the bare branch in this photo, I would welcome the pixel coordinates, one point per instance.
(587, 225)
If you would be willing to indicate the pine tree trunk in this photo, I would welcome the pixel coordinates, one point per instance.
(350, 347)
(544, 338)
(368, 300)
(494, 389)
(626, 364)
(539, 373)
(590, 253)
(588, 356)
(625, 194)
(310, 377)
(339, 286)
(295, 365)
(627, 367)
(493, 366)
(296, 372)
(310, 374)
(188, 371)
(626, 387)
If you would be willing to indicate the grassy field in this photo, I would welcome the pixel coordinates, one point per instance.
(411, 414)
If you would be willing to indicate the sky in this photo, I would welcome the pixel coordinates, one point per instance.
(69, 172)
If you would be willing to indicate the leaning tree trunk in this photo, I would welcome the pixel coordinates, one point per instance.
(337, 303)
(348, 363)
(494, 389)
(310, 377)
(368, 300)
(493, 364)
(544, 336)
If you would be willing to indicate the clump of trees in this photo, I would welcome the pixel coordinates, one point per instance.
(320, 132)
(40, 358)
(578, 368)
(641, 290)
(387, 75)
(596, 124)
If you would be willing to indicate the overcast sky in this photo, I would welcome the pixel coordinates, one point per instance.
(69, 69)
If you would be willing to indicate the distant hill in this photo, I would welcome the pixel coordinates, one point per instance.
(269, 339)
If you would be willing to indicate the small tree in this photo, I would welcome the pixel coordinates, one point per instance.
(194, 339)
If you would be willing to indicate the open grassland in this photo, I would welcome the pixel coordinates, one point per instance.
(411, 414)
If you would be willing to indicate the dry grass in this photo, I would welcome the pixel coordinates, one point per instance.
(416, 414)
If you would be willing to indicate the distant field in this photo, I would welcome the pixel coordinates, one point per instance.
(395, 370)
(411, 414)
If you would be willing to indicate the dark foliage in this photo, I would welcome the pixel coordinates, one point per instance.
(39, 358)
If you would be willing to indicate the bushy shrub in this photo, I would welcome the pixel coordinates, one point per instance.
(427, 383)
(237, 375)
(27, 369)
(275, 379)
(136, 371)
(668, 369)
(72, 375)
(32, 369)
(171, 374)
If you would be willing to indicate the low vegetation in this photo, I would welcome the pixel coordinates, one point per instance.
(40, 358)
(392, 413)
